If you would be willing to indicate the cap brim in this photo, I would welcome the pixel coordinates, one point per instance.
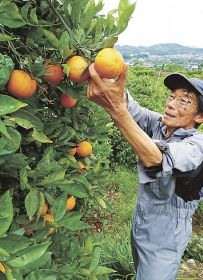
(175, 81)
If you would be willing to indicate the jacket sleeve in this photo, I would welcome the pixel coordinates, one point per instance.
(146, 119)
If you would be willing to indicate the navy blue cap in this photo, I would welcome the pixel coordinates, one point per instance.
(176, 80)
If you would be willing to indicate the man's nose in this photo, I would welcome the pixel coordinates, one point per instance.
(172, 103)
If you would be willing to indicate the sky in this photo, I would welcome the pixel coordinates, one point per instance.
(162, 21)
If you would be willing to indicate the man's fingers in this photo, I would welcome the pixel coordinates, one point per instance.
(121, 79)
(92, 89)
(96, 78)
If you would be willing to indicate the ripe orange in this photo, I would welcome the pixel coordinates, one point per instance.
(70, 204)
(49, 218)
(109, 63)
(77, 64)
(83, 167)
(67, 101)
(44, 209)
(84, 149)
(72, 151)
(2, 268)
(54, 74)
(21, 84)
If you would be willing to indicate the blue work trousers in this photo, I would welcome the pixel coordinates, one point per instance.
(160, 234)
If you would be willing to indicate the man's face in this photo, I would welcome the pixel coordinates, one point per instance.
(181, 109)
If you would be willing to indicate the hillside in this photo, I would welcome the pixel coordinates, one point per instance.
(160, 49)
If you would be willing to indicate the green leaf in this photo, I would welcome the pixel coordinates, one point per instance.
(25, 9)
(51, 38)
(45, 274)
(72, 222)
(41, 137)
(98, 30)
(41, 204)
(24, 179)
(6, 67)
(12, 145)
(16, 161)
(4, 253)
(53, 177)
(88, 246)
(75, 189)
(123, 4)
(68, 269)
(99, 6)
(43, 166)
(4, 37)
(3, 4)
(89, 13)
(29, 120)
(22, 122)
(95, 259)
(13, 243)
(109, 42)
(11, 17)
(6, 213)
(77, 12)
(50, 198)
(64, 44)
(110, 20)
(9, 274)
(101, 202)
(9, 104)
(29, 255)
(3, 129)
(102, 270)
(33, 16)
(32, 202)
(83, 180)
(125, 17)
(60, 207)
(43, 260)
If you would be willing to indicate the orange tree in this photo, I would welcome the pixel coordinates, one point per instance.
(44, 199)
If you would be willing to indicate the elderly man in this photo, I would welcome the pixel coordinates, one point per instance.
(170, 152)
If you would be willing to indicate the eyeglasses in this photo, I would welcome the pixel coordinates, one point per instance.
(183, 100)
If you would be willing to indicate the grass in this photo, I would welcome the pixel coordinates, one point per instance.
(122, 190)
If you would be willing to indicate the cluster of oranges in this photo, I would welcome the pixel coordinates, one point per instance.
(108, 63)
(48, 216)
(84, 149)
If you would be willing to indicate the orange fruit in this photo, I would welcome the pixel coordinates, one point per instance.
(54, 74)
(72, 151)
(70, 204)
(67, 101)
(44, 209)
(83, 167)
(21, 84)
(2, 268)
(77, 64)
(109, 63)
(49, 218)
(84, 149)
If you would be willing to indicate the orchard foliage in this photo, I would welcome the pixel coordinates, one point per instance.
(37, 133)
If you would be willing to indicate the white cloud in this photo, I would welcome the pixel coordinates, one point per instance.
(163, 21)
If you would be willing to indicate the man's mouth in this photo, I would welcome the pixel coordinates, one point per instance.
(168, 115)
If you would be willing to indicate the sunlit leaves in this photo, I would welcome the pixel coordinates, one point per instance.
(6, 213)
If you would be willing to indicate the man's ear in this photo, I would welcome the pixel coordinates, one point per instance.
(199, 118)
